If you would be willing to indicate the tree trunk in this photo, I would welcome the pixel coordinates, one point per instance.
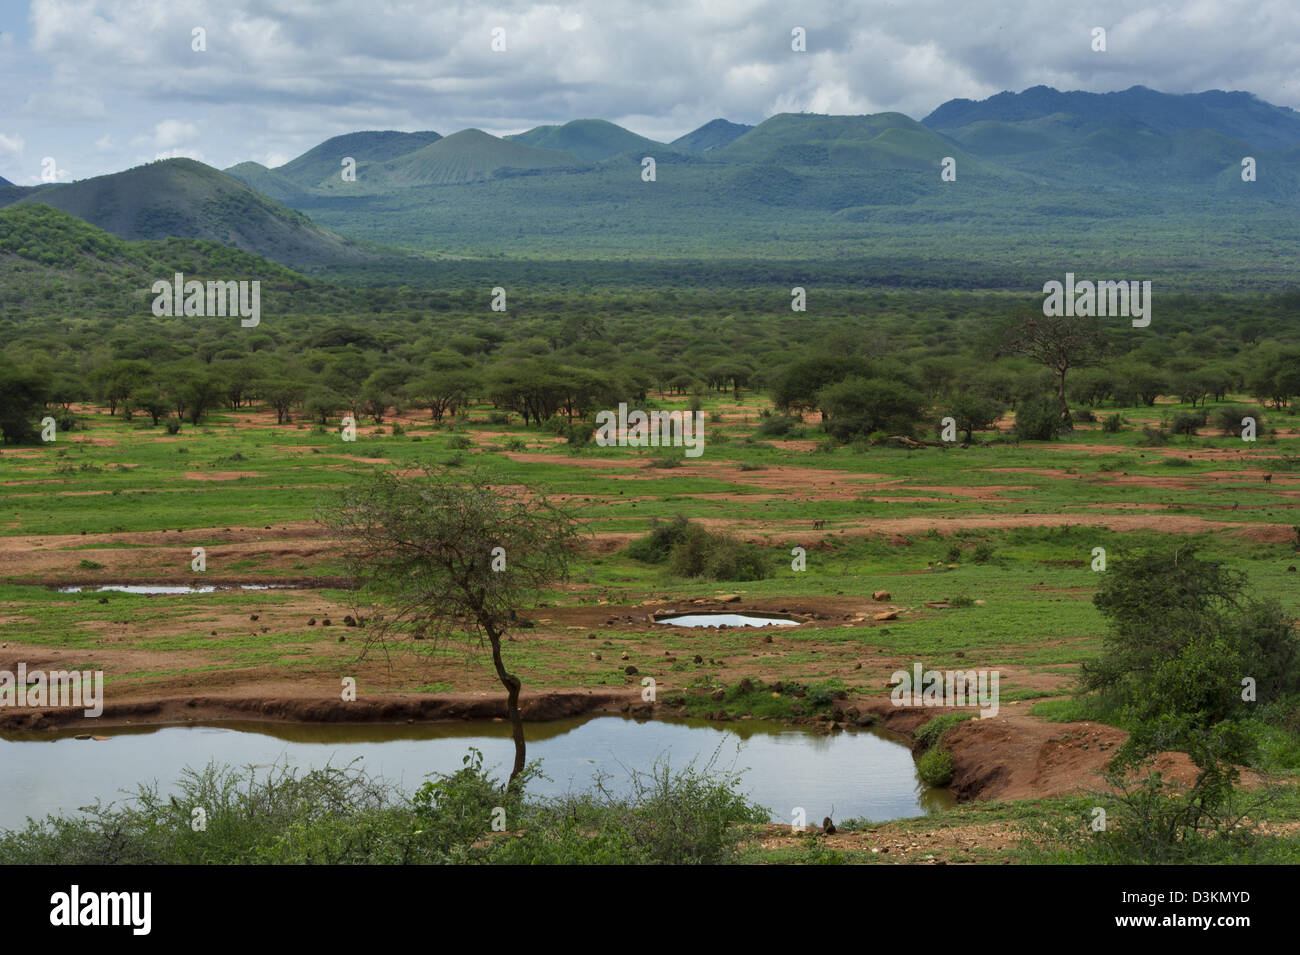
(512, 685)
(1060, 397)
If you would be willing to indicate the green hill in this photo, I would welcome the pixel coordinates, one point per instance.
(710, 136)
(589, 139)
(267, 182)
(55, 261)
(785, 131)
(325, 162)
(185, 199)
(471, 156)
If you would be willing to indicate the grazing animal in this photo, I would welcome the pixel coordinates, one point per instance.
(1268, 479)
(1234, 505)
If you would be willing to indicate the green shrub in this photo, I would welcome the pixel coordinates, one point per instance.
(929, 735)
(776, 426)
(1187, 422)
(1113, 423)
(1038, 419)
(934, 767)
(655, 547)
(1227, 418)
(1153, 437)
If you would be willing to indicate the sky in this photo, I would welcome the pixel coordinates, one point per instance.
(96, 86)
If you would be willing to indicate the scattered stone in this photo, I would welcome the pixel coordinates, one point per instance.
(624, 656)
(828, 827)
(252, 616)
(718, 695)
(311, 622)
(745, 686)
(325, 622)
(82, 735)
(880, 595)
(698, 659)
(347, 621)
(342, 639)
(767, 638)
(887, 615)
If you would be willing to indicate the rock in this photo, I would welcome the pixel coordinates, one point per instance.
(343, 639)
(596, 656)
(630, 671)
(880, 595)
(82, 735)
(348, 621)
(101, 739)
(767, 638)
(828, 827)
(887, 615)
(698, 659)
(960, 654)
(718, 695)
(729, 598)
(981, 603)
(325, 622)
(745, 686)
(311, 622)
(624, 656)
(857, 666)
(252, 616)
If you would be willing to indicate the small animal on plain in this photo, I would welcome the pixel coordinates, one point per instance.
(1235, 505)
(1268, 479)
(818, 525)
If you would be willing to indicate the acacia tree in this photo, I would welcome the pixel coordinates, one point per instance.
(1058, 343)
(452, 561)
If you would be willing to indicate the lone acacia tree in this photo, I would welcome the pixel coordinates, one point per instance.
(452, 560)
(1058, 343)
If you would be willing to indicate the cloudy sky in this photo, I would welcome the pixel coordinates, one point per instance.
(101, 85)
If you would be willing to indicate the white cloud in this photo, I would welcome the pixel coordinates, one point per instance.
(172, 132)
(280, 76)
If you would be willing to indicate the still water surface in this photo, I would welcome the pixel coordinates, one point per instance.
(860, 773)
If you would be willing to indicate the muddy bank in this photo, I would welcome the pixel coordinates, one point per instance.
(536, 707)
(1021, 757)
